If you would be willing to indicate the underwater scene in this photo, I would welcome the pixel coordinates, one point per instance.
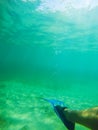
(48, 49)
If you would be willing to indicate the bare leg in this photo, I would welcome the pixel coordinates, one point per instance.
(88, 117)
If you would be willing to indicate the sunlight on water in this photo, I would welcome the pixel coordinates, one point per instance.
(65, 5)
(61, 24)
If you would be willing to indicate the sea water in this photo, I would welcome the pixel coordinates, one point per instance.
(48, 49)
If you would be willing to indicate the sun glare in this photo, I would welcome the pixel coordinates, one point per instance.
(63, 5)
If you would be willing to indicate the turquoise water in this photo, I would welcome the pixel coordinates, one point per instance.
(48, 49)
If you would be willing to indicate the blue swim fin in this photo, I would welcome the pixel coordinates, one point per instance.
(59, 107)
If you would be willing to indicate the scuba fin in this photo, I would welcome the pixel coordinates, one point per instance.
(59, 107)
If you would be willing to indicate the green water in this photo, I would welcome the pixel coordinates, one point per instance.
(48, 49)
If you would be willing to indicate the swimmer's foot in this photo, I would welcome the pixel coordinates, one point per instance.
(60, 112)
